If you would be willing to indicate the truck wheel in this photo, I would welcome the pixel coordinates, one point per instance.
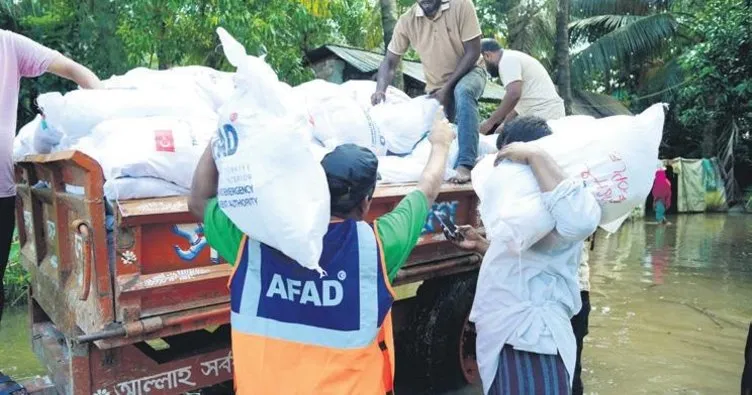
(440, 340)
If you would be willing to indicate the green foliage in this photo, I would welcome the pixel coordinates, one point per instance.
(112, 37)
(714, 105)
(523, 25)
(16, 277)
(623, 35)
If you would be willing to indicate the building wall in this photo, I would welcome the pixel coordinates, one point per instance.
(331, 69)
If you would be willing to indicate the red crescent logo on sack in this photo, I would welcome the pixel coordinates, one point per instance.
(164, 141)
(233, 117)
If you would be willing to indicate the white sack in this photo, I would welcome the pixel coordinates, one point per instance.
(270, 184)
(403, 125)
(163, 147)
(362, 90)
(46, 138)
(615, 158)
(127, 188)
(79, 111)
(319, 151)
(336, 118)
(23, 144)
(487, 145)
(396, 170)
(212, 86)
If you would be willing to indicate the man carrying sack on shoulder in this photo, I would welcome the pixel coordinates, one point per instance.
(294, 332)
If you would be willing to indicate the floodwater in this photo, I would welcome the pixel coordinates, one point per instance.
(671, 306)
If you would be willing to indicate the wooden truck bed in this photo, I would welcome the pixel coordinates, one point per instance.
(152, 274)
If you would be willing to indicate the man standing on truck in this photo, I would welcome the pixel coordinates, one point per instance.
(529, 88)
(524, 300)
(22, 57)
(446, 34)
(296, 333)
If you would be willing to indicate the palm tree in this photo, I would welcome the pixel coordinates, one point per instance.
(627, 36)
(531, 29)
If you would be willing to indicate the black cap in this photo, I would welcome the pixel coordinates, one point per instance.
(351, 172)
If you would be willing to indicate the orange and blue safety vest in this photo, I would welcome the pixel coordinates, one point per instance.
(296, 333)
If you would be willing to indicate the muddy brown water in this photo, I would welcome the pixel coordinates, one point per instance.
(671, 306)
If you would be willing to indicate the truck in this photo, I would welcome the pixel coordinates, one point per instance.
(127, 297)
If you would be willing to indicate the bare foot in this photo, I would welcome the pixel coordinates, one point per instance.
(462, 177)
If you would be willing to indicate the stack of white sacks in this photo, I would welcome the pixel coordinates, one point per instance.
(148, 128)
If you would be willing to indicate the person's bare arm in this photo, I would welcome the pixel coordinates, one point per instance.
(204, 185)
(81, 75)
(385, 76)
(547, 172)
(506, 112)
(441, 138)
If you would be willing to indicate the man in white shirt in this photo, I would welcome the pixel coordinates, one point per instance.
(529, 88)
(524, 301)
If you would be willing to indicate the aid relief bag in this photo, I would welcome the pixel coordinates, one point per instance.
(614, 157)
(362, 90)
(403, 125)
(162, 147)
(336, 118)
(77, 112)
(271, 185)
(127, 188)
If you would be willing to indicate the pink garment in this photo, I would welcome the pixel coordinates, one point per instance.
(662, 188)
(19, 57)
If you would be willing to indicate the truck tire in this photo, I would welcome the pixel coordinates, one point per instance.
(438, 346)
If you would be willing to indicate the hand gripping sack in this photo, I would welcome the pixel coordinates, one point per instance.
(614, 157)
(270, 184)
(403, 125)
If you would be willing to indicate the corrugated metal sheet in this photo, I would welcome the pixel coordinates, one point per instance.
(368, 62)
(364, 61)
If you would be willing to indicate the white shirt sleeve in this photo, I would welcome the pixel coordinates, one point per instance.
(510, 69)
(574, 209)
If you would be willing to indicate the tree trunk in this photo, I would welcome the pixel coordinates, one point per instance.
(563, 75)
(709, 137)
(388, 21)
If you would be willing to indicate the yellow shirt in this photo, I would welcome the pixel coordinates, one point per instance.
(438, 41)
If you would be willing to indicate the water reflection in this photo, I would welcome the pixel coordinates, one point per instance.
(670, 309)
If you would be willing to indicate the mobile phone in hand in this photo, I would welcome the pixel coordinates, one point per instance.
(451, 231)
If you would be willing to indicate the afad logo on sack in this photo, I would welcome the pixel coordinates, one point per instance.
(164, 141)
(227, 143)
